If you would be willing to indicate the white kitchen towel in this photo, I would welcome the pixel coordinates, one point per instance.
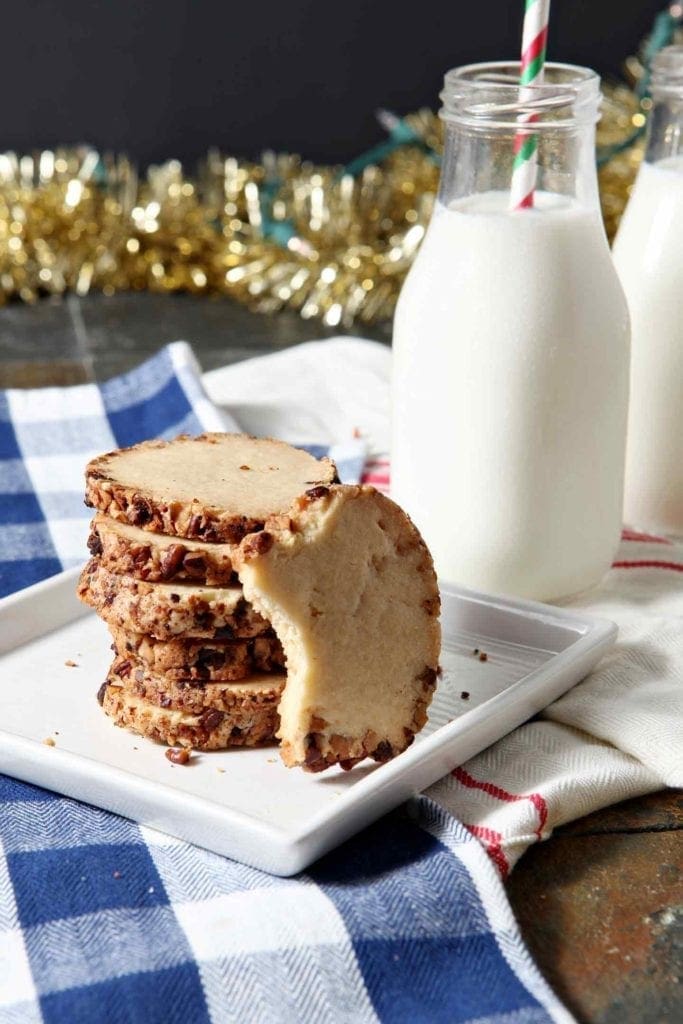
(315, 393)
(619, 733)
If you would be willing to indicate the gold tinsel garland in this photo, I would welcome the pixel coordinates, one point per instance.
(280, 233)
(72, 221)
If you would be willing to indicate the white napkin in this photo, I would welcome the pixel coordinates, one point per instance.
(619, 733)
(321, 392)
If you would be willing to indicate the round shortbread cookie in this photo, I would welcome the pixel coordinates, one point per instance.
(128, 550)
(216, 487)
(203, 660)
(194, 696)
(349, 587)
(169, 610)
(250, 721)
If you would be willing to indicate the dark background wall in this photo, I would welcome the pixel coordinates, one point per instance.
(162, 78)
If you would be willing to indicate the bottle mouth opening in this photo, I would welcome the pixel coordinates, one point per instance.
(667, 71)
(490, 96)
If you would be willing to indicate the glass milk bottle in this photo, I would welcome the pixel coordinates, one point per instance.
(648, 252)
(511, 347)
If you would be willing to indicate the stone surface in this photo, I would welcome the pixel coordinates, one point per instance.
(22, 373)
(602, 912)
(98, 336)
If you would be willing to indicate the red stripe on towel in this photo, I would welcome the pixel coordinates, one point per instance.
(502, 794)
(492, 840)
(649, 564)
(648, 538)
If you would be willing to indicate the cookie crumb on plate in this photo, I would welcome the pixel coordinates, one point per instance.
(178, 755)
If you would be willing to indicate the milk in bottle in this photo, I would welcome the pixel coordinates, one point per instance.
(511, 353)
(648, 253)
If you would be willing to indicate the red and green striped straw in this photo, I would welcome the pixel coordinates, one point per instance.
(534, 38)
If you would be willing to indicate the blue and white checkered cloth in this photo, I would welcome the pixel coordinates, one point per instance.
(102, 920)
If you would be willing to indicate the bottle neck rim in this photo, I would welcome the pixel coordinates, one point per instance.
(488, 96)
(667, 73)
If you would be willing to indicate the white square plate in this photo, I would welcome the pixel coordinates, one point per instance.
(244, 803)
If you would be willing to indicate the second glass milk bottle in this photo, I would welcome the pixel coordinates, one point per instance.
(511, 348)
(648, 253)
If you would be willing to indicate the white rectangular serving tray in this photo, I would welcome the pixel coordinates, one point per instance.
(244, 803)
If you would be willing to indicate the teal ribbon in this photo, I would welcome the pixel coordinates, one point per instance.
(400, 134)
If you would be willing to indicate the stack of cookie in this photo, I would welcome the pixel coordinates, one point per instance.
(221, 561)
(195, 664)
